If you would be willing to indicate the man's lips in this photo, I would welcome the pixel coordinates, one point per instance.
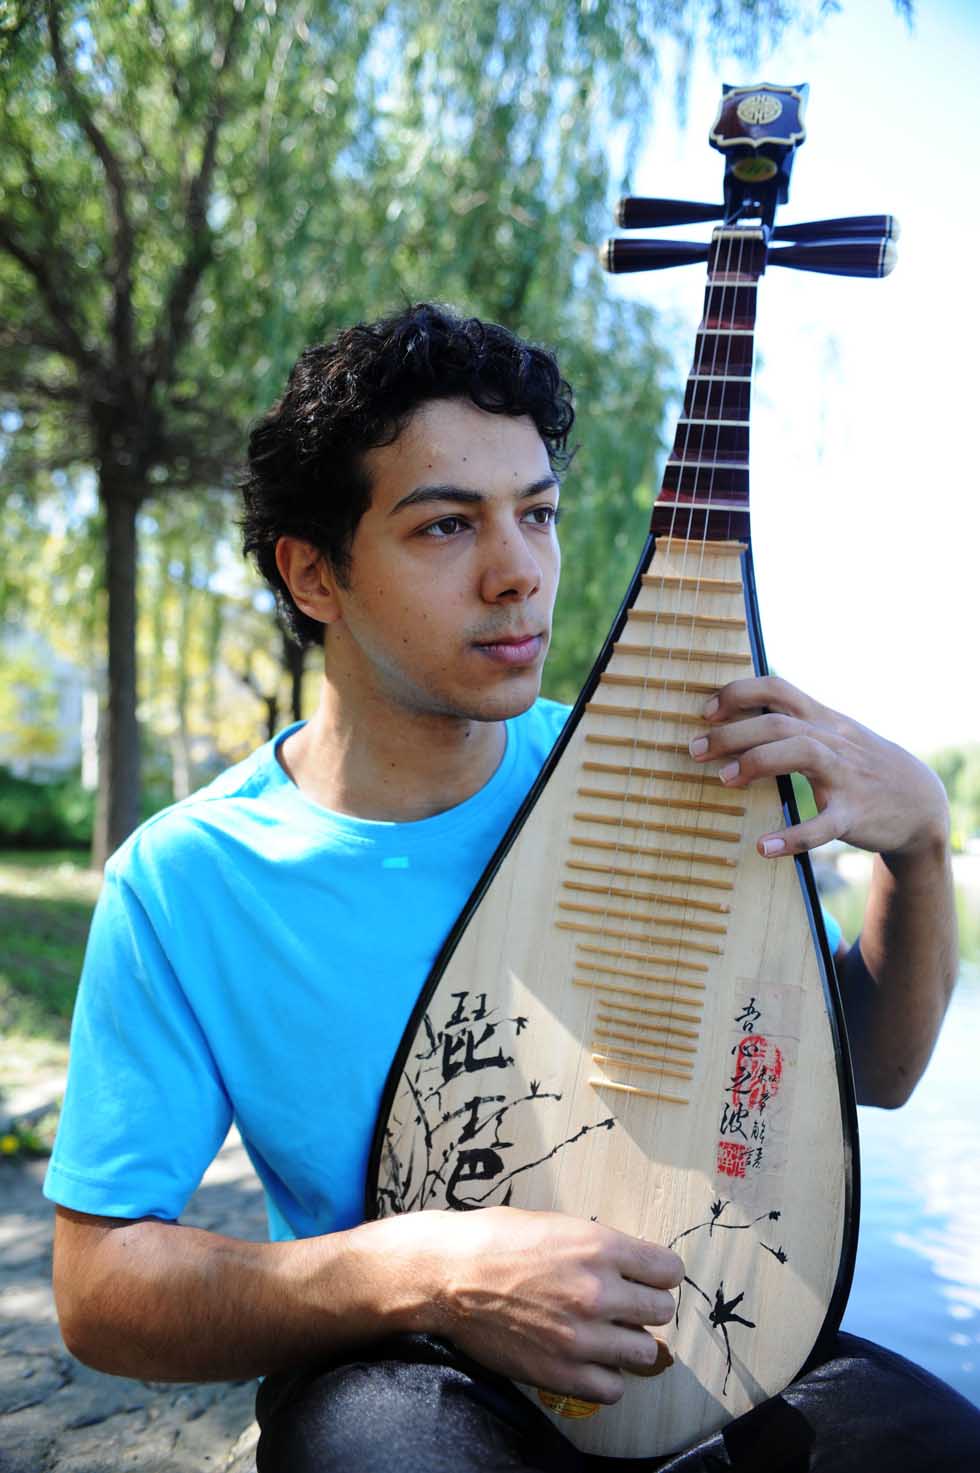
(514, 649)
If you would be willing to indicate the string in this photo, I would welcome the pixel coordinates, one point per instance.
(689, 482)
(720, 320)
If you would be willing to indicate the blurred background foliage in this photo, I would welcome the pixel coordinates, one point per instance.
(192, 193)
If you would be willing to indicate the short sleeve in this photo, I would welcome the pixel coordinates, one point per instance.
(145, 1111)
(834, 933)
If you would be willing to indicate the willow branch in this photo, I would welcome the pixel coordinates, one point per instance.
(174, 323)
(22, 388)
(28, 338)
(177, 85)
(67, 337)
(121, 271)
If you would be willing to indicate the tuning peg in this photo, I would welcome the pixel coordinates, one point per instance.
(650, 255)
(853, 228)
(636, 212)
(839, 258)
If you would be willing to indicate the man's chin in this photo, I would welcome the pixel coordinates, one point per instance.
(511, 698)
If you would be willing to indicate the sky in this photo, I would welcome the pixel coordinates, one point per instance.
(865, 496)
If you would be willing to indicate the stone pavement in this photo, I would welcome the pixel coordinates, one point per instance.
(56, 1415)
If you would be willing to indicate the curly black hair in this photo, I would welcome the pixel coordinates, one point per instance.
(305, 476)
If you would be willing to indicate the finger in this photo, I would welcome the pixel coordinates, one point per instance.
(753, 692)
(639, 1352)
(805, 754)
(739, 736)
(585, 1381)
(665, 1359)
(802, 837)
(637, 1305)
(648, 1263)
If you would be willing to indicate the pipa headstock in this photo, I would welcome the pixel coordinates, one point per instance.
(758, 130)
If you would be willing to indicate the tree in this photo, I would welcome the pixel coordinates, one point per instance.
(193, 192)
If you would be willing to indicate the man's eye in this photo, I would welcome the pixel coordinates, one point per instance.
(542, 516)
(444, 527)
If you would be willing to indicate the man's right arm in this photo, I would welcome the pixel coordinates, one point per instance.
(540, 1297)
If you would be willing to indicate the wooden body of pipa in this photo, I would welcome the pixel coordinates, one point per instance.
(633, 1021)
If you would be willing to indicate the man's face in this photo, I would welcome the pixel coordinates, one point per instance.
(454, 567)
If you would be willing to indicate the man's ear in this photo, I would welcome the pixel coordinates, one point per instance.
(309, 578)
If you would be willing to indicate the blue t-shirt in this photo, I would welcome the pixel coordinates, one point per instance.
(255, 957)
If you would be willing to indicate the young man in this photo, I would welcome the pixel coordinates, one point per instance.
(257, 951)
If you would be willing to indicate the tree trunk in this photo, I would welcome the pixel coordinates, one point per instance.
(181, 744)
(119, 774)
(293, 658)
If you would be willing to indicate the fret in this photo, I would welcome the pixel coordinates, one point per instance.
(602, 708)
(681, 941)
(692, 583)
(665, 922)
(629, 1007)
(679, 656)
(699, 621)
(607, 932)
(720, 378)
(694, 984)
(731, 332)
(649, 897)
(714, 549)
(714, 503)
(726, 809)
(721, 423)
(618, 990)
(724, 835)
(708, 465)
(696, 775)
(655, 682)
(597, 1082)
(662, 713)
(656, 957)
(652, 877)
(619, 1058)
(682, 856)
(664, 1043)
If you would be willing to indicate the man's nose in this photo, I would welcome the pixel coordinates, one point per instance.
(510, 571)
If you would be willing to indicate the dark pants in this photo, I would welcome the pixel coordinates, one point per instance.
(416, 1405)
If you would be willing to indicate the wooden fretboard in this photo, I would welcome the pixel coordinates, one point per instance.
(705, 489)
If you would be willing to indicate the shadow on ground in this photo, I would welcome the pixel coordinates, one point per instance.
(56, 1414)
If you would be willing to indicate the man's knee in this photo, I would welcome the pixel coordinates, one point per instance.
(379, 1414)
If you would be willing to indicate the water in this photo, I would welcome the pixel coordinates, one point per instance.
(917, 1282)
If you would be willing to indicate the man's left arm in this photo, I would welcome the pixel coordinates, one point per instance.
(896, 980)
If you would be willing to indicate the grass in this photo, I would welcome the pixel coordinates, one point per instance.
(46, 902)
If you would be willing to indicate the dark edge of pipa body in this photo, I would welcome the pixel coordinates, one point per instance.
(832, 998)
(808, 886)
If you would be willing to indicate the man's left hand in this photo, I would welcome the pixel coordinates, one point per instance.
(868, 791)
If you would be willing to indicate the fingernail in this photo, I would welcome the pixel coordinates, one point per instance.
(727, 773)
(773, 846)
(698, 746)
(710, 707)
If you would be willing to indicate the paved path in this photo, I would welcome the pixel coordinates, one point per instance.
(56, 1414)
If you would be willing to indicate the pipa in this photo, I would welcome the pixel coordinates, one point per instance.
(635, 1017)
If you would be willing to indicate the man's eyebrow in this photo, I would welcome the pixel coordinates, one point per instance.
(461, 495)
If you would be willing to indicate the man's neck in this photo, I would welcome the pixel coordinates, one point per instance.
(368, 765)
